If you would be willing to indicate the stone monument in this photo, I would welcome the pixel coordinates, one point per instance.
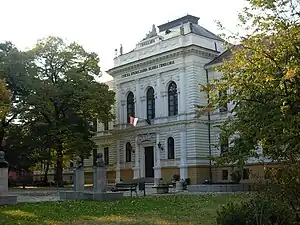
(77, 193)
(79, 176)
(99, 175)
(99, 185)
(4, 197)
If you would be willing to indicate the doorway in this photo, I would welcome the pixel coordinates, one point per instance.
(149, 162)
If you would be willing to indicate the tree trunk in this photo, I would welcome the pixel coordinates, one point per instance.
(59, 161)
(45, 179)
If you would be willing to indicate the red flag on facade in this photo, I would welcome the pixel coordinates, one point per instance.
(133, 120)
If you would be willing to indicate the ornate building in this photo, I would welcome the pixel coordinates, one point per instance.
(158, 83)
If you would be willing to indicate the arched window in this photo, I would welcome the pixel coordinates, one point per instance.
(172, 99)
(130, 106)
(128, 152)
(150, 104)
(171, 151)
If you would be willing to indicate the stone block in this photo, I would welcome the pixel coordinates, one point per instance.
(3, 180)
(79, 180)
(8, 199)
(100, 181)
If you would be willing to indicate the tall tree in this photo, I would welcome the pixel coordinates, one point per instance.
(263, 79)
(14, 70)
(66, 97)
(5, 100)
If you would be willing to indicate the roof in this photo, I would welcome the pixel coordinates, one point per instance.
(177, 22)
(223, 56)
(197, 29)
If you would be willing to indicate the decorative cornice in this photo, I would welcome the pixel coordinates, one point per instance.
(174, 53)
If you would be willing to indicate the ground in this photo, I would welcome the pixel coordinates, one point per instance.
(172, 209)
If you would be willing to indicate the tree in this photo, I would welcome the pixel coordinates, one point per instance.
(65, 98)
(14, 70)
(5, 100)
(263, 76)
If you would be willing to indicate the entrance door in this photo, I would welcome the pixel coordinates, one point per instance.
(149, 162)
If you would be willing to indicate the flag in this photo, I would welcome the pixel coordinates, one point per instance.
(133, 120)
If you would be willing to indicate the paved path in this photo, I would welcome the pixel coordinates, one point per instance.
(52, 194)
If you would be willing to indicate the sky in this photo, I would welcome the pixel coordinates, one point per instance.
(101, 26)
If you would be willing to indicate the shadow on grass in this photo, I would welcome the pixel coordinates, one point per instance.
(178, 209)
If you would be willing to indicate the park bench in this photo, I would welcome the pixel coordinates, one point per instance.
(130, 186)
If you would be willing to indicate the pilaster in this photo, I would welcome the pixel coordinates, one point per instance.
(157, 167)
(119, 105)
(137, 98)
(183, 163)
(158, 100)
(136, 169)
(123, 112)
(164, 95)
(182, 101)
(118, 175)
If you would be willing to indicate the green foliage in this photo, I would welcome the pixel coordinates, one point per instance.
(5, 102)
(14, 68)
(236, 176)
(55, 97)
(256, 211)
(284, 186)
(65, 98)
(263, 79)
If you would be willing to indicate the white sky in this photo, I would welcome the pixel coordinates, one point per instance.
(101, 26)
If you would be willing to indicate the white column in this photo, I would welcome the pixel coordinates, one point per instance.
(118, 174)
(183, 163)
(182, 100)
(157, 167)
(136, 169)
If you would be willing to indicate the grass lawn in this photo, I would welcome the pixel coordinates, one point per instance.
(179, 209)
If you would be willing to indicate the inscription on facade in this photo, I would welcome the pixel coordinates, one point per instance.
(146, 137)
(148, 69)
(147, 42)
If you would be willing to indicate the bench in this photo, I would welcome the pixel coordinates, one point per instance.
(130, 186)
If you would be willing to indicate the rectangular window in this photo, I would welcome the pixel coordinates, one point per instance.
(246, 173)
(105, 125)
(106, 155)
(224, 174)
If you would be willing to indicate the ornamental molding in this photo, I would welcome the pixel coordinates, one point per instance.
(196, 50)
(146, 137)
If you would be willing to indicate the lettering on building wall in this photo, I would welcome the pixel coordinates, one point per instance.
(148, 69)
(147, 42)
(146, 137)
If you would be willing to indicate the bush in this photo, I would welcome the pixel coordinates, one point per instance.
(236, 176)
(255, 212)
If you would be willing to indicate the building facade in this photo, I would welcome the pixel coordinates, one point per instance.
(158, 83)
